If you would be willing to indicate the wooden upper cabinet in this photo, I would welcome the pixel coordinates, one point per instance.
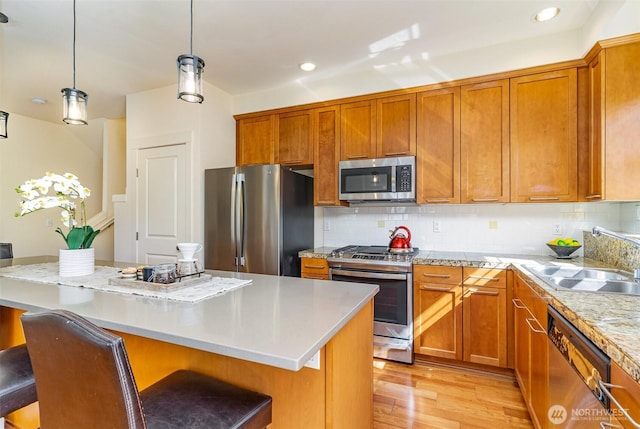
(438, 136)
(326, 148)
(484, 142)
(622, 123)
(294, 138)
(595, 180)
(255, 140)
(358, 130)
(544, 145)
(396, 126)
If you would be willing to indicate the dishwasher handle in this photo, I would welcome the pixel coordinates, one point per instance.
(606, 389)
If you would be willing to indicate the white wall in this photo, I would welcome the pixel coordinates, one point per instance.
(158, 118)
(610, 19)
(504, 228)
(33, 148)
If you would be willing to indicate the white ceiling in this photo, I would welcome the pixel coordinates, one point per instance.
(127, 46)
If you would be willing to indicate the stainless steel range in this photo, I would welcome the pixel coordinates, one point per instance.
(393, 305)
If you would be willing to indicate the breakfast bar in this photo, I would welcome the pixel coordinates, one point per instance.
(306, 343)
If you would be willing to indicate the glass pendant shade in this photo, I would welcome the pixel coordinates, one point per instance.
(190, 68)
(74, 107)
(4, 119)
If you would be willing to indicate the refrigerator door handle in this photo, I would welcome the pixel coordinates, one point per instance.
(233, 227)
(242, 224)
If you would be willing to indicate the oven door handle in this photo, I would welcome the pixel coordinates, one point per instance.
(367, 274)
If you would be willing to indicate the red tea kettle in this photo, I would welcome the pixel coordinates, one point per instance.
(399, 241)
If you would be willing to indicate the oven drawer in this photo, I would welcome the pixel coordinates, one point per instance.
(437, 274)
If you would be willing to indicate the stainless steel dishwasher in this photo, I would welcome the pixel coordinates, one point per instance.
(575, 367)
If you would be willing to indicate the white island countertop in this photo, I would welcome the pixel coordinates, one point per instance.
(277, 321)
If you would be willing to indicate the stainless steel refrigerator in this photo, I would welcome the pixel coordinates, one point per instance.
(257, 219)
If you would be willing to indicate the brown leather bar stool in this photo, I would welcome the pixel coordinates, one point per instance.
(84, 380)
(17, 385)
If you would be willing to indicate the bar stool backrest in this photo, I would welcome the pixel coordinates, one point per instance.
(82, 372)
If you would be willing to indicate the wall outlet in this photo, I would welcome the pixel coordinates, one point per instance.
(380, 224)
(436, 226)
(557, 229)
(493, 224)
(327, 225)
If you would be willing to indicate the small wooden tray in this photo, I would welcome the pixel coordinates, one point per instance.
(184, 282)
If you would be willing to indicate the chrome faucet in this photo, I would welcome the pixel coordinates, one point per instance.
(598, 230)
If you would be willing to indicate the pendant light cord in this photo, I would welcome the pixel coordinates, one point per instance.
(74, 44)
(191, 32)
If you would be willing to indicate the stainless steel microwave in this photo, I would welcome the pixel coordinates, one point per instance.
(384, 179)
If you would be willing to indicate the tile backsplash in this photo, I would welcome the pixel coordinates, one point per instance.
(498, 228)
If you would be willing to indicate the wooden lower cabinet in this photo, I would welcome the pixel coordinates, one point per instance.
(461, 320)
(531, 350)
(484, 316)
(626, 392)
(315, 268)
(438, 311)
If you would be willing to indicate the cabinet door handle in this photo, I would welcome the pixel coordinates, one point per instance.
(396, 153)
(544, 198)
(591, 197)
(437, 200)
(440, 276)
(518, 304)
(536, 330)
(483, 200)
(298, 161)
(492, 279)
(605, 388)
(356, 156)
(319, 267)
(482, 292)
(435, 289)
(326, 202)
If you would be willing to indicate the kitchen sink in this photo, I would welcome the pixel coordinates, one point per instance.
(587, 279)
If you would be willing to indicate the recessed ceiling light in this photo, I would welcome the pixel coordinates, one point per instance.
(38, 100)
(307, 66)
(547, 14)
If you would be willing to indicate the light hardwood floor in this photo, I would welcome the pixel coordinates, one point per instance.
(425, 395)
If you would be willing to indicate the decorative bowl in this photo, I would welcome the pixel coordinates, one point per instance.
(563, 252)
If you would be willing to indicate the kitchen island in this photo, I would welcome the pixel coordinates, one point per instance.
(259, 336)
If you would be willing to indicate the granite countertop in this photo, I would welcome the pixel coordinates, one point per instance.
(611, 321)
(274, 320)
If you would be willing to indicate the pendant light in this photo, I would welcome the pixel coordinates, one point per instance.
(190, 68)
(74, 101)
(4, 120)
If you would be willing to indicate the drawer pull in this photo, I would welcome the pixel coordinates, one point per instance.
(483, 200)
(297, 161)
(493, 279)
(482, 292)
(437, 200)
(315, 267)
(592, 197)
(536, 330)
(396, 153)
(440, 276)
(544, 198)
(436, 289)
(356, 156)
(605, 388)
(518, 304)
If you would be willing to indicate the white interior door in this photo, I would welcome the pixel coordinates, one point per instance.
(163, 208)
